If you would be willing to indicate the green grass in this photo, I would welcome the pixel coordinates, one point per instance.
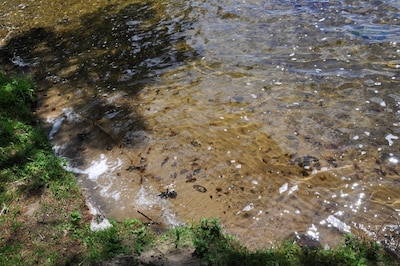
(219, 249)
(26, 159)
(44, 219)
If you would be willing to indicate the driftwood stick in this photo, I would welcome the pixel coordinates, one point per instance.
(147, 217)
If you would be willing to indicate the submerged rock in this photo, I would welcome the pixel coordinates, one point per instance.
(200, 188)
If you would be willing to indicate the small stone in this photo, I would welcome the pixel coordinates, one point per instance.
(200, 188)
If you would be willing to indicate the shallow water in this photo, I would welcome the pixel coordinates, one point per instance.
(280, 118)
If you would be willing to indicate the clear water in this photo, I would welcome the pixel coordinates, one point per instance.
(278, 117)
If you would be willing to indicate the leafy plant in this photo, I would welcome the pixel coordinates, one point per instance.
(138, 234)
(207, 234)
(105, 244)
(75, 218)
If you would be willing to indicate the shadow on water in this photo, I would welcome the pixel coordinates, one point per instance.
(112, 54)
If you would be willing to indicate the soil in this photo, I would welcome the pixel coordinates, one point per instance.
(163, 254)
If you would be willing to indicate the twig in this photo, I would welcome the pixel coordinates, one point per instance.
(151, 220)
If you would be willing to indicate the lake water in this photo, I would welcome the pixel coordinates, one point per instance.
(280, 118)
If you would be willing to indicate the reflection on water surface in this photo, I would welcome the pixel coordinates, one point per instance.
(278, 117)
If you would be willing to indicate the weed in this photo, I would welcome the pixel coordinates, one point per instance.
(207, 233)
(180, 236)
(75, 219)
(219, 249)
(137, 234)
(106, 243)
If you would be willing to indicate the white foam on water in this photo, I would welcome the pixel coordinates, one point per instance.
(71, 115)
(170, 218)
(101, 168)
(97, 168)
(283, 188)
(99, 222)
(57, 149)
(18, 61)
(145, 199)
(100, 225)
(105, 191)
(335, 222)
(248, 207)
(390, 138)
(116, 195)
(293, 189)
(57, 122)
(393, 160)
(75, 170)
(56, 126)
(313, 232)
